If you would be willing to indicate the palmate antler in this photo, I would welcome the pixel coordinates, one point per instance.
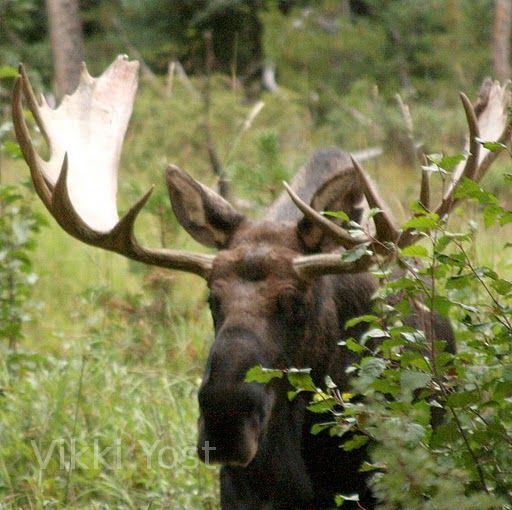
(488, 121)
(78, 184)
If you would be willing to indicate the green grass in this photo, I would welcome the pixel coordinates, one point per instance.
(115, 352)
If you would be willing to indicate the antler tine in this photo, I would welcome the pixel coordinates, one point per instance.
(100, 226)
(311, 266)
(491, 120)
(384, 224)
(491, 156)
(121, 239)
(27, 148)
(33, 101)
(425, 187)
(334, 231)
(470, 169)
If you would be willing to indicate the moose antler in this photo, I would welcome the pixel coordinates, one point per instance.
(488, 121)
(78, 184)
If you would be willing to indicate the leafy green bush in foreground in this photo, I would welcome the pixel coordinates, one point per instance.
(410, 379)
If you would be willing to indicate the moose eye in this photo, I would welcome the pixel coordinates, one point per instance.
(291, 307)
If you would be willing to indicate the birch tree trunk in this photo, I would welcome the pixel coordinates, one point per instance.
(67, 44)
(501, 39)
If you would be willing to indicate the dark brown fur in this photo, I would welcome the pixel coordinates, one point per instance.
(278, 321)
(266, 314)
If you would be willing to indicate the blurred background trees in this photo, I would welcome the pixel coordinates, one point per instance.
(65, 28)
(345, 59)
(319, 47)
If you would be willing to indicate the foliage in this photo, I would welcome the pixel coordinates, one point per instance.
(106, 423)
(18, 225)
(177, 32)
(22, 35)
(438, 422)
(268, 174)
(347, 68)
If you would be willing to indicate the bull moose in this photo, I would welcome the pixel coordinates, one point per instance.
(279, 292)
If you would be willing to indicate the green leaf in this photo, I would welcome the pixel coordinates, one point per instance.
(355, 253)
(262, 375)
(291, 395)
(355, 442)
(372, 368)
(491, 146)
(385, 386)
(449, 163)
(415, 250)
(463, 399)
(470, 189)
(337, 214)
(415, 359)
(12, 149)
(506, 218)
(442, 305)
(507, 372)
(411, 380)
(503, 390)
(374, 333)
(8, 72)
(460, 281)
(367, 467)
(320, 427)
(422, 223)
(300, 379)
(341, 498)
(491, 213)
(502, 287)
(373, 211)
(322, 406)
(354, 346)
(444, 435)
(357, 320)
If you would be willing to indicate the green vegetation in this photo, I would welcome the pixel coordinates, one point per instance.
(108, 350)
(410, 379)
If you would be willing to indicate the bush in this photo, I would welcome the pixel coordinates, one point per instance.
(437, 423)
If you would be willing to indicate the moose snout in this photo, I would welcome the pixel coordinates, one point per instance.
(233, 413)
(231, 423)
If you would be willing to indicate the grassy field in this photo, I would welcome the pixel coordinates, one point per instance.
(98, 407)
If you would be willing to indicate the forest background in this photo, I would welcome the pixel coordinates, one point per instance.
(98, 354)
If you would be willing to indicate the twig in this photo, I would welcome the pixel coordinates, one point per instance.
(409, 131)
(75, 422)
(185, 80)
(171, 71)
(215, 162)
(481, 281)
(234, 64)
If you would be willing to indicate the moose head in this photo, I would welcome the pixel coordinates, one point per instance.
(280, 292)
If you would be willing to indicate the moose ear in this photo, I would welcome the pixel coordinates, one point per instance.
(342, 192)
(206, 216)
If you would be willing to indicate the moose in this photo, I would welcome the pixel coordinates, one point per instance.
(279, 291)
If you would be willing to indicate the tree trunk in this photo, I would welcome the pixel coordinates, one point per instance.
(67, 44)
(501, 39)
(345, 8)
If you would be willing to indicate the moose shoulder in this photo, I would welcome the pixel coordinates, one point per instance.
(280, 294)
